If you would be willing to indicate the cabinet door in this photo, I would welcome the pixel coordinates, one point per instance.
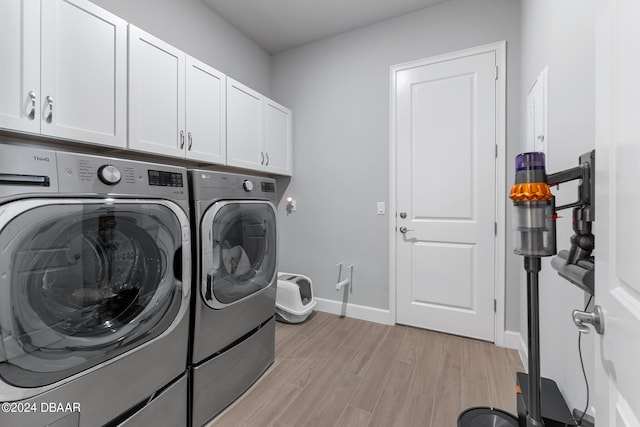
(205, 113)
(20, 69)
(277, 138)
(156, 95)
(84, 73)
(244, 126)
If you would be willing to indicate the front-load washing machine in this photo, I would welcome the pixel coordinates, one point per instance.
(95, 283)
(233, 326)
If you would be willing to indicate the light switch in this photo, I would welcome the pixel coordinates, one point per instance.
(381, 208)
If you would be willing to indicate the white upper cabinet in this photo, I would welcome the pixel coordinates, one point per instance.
(84, 73)
(176, 103)
(65, 70)
(156, 95)
(20, 69)
(205, 113)
(244, 126)
(277, 137)
(69, 71)
(258, 131)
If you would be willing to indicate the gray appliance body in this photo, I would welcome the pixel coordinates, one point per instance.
(235, 273)
(95, 287)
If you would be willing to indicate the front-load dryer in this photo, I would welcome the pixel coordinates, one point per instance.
(233, 326)
(95, 283)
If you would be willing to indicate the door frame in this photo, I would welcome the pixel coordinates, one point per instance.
(500, 203)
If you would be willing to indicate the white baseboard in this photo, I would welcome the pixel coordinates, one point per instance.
(515, 341)
(362, 312)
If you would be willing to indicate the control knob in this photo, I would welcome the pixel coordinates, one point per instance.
(247, 185)
(109, 174)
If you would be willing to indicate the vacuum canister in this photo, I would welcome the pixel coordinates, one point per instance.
(534, 225)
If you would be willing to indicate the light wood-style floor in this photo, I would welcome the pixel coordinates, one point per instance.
(333, 371)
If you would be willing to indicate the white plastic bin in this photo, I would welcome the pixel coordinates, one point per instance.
(294, 298)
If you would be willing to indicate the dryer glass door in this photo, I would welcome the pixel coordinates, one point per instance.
(84, 281)
(238, 251)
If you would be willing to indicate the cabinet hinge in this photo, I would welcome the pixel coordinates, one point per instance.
(496, 73)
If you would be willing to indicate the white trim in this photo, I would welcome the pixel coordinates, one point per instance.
(515, 341)
(500, 257)
(501, 191)
(371, 314)
(392, 197)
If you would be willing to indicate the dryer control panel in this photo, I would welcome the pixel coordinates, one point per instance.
(212, 185)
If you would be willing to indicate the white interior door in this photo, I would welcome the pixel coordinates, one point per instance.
(617, 286)
(445, 179)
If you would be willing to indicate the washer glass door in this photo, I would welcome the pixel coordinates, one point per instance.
(83, 281)
(238, 251)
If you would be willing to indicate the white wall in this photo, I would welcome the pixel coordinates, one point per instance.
(338, 89)
(560, 35)
(195, 29)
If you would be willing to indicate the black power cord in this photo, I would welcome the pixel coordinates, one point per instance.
(584, 373)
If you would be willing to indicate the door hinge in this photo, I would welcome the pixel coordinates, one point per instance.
(496, 151)
(496, 74)
(495, 305)
(495, 228)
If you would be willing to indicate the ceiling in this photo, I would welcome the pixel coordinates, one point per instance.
(278, 25)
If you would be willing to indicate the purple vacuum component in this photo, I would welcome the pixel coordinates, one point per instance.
(530, 161)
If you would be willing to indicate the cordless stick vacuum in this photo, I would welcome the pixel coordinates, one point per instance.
(534, 228)
(534, 234)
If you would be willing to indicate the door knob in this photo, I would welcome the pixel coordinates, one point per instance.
(584, 318)
(404, 229)
(403, 215)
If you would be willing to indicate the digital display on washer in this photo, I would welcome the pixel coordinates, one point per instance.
(165, 179)
(268, 187)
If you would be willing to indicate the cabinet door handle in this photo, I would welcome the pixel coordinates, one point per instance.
(267, 155)
(190, 139)
(262, 156)
(32, 113)
(50, 105)
(181, 139)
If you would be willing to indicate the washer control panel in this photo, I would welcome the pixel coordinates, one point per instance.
(247, 185)
(165, 178)
(109, 174)
(88, 174)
